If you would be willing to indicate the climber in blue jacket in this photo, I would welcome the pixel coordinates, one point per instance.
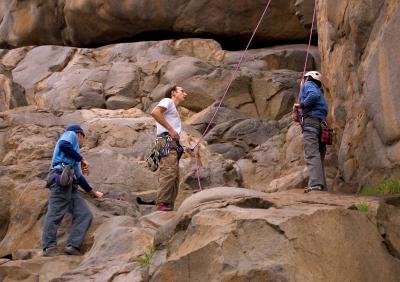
(67, 163)
(314, 110)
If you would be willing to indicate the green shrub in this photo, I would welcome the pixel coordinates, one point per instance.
(387, 186)
(362, 207)
(145, 259)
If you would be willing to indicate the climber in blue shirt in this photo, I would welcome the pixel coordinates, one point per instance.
(312, 101)
(64, 197)
(313, 111)
(67, 151)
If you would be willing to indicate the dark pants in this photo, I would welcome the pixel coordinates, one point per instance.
(314, 154)
(61, 201)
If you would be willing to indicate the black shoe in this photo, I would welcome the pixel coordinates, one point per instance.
(313, 188)
(69, 250)
(50, 252)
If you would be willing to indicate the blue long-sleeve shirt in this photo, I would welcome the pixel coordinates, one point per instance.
(67, 151)
(312, 101)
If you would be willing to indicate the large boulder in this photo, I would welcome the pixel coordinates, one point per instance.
(388, 218)
(290, 57)
(202, 120)
(275, 93)
(228, 234)
(118, 245)
(84, 23)
(38, 64)
(123, 76)
(23, 218)
(38, 269)
(12, 95)
(241, 134)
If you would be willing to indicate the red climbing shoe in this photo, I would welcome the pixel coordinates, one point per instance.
(163, 207)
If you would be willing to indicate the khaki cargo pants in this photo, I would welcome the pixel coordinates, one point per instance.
(169, 179)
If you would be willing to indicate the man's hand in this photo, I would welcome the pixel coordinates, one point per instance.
(96, 194)
(295, 112)
(174, 134)
(85, 167)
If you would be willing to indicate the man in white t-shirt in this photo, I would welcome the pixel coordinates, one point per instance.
(168, 129)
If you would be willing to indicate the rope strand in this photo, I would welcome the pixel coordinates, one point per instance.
(308, 51)
(226, 90)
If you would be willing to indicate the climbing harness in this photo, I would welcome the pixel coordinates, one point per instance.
(160, 148)
(326, 136)
(153, 157)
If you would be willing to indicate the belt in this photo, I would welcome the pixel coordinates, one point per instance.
(59, 164)
(164, 134)
(312, 118)
(312, 121)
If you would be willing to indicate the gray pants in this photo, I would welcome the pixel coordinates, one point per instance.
(61, 201)
(314, 154)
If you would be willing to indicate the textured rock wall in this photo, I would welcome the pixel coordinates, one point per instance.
(137, 74)
(88, 22)
(358, 42)
(126, 75)
(223, 234)
(220, 236)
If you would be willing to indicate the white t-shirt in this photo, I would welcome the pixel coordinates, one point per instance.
(171, 115)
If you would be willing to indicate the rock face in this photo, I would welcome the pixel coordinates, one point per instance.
(388, 217)
(116, 144)
(84, 23)
(357, 40)
(38, 269)
(218, 234)
(136, 75)
(219, 239)
(12, 95)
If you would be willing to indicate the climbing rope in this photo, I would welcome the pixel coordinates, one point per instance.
(234, 76)
(305, 63)
(226, 92)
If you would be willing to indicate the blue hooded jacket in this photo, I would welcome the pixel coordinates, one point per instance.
(312, 101)
(67, 151)
(61, 157)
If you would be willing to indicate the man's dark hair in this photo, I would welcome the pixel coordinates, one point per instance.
(168, 93)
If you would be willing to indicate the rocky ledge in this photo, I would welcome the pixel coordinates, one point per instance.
(233, 234)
